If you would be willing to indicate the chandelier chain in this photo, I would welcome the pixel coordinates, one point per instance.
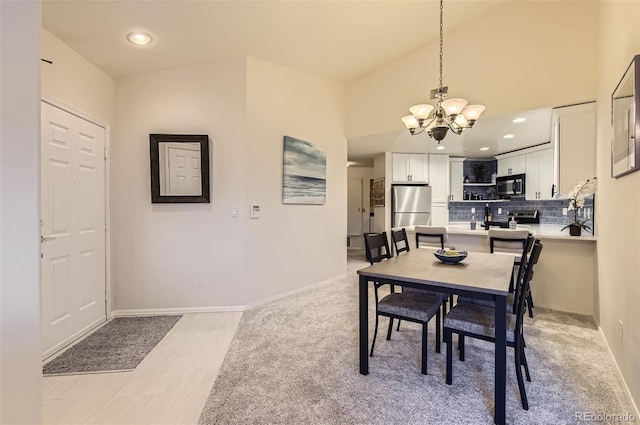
(441, 42)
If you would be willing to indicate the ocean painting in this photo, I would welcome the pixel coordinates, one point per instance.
(305, 173)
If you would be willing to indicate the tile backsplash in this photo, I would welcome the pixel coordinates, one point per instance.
(550, 212)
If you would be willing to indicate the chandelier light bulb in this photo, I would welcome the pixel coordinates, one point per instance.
(472, 112)
(421, 112)
(454, 106)
(410, 122)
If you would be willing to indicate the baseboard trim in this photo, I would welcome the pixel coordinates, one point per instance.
(54, 351)
(624, 382)
(217, 309)
(294, 292)
(172, 311)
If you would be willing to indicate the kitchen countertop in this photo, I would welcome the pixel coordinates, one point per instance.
(541, 231)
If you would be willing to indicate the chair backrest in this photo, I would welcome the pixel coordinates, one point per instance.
(525, 255)
(431, 236)
(400, 241)
(376, 247)
(525, 287)
(511, 241)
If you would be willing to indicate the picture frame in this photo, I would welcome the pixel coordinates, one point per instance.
(625, 122)
(179, 166)
(304, 172)
(377, 192)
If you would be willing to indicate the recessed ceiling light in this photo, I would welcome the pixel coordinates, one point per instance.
(519, 120)
(508, 136)
(484, 149)
(139, 38)
(440, 147)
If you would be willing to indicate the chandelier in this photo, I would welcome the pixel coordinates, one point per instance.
(450, 114)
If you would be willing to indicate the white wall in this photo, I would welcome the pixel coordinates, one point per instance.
(618, 200)
(522, 55)
(74, 81)
(20, 365)
(159, 250)
(292, 246)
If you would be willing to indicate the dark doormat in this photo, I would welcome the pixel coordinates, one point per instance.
(118, 346)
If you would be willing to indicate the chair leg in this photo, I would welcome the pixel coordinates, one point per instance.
(530, 305)
(424, 348)
(526, 366)
(523, 392)
(398, 327)
(375, 333)
(390, 328)
(444, 311)
(438, 331)
(449, 342)
(461, 346)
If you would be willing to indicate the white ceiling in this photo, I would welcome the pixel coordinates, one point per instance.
(341, 40)
(487, 132)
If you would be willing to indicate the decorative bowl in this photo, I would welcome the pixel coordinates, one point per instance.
(450, 256)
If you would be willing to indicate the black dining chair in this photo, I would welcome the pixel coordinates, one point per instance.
(431, 236)
(400, 241)
(511, 242)
(512, 297)
(414, 306)
(401, 244)
(477, 321)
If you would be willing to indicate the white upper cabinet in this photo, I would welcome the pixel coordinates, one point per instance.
(574, 128)
(540, 175)
(511, 165)
(410, 168)
(456, 179)
(439, 177)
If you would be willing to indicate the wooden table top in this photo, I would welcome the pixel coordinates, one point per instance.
(480, 271)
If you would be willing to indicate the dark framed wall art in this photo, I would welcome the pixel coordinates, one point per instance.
(179, 168)
(625, 122)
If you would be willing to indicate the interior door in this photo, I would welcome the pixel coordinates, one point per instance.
(73, 267)
(184, 170)
(354, 206)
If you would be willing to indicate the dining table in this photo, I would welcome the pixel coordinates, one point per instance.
(480, 275)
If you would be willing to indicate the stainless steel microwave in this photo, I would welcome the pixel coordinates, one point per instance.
(510, 186)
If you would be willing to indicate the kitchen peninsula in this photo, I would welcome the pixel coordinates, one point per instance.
(565, 278)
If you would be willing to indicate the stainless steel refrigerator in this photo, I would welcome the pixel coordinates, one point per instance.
(411, 205)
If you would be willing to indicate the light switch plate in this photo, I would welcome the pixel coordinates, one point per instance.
(235, 211)
(255, 211)
(473, 210)
(564, 211)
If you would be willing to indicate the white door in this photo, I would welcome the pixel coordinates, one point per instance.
(183, 165)
(73, 227)
(354, 206)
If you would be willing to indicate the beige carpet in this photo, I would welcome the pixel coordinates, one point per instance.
(295, 361)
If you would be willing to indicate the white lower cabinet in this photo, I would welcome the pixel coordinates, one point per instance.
(439, 213)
